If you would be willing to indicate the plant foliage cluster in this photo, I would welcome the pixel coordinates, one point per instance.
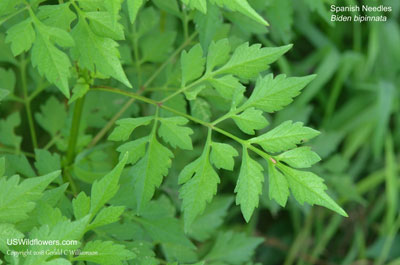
(173, 132)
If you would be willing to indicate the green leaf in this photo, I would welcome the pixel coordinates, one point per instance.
(7, 81)
(127, 126)
(243, 7)
(8, 231)
(200, 5)
(113, 7)
(148, 177)
(206, 224)
(249, 120)
(58, 262)
(109, 253)
(97, 53)
(200, 182)
(207, 25)
(18, 199)
(284, 137)
(21, 36)
(3, 94)
(174, 235)
(103, 25)
(133, 8)
(222, 155)
(218, 54)
(233, 248)
(136, 149)
(50, 61)
(248, 61)
(46, 162)
(227, 86)
(278, 185)
(2, 166)
(59, 16)
(80, 89)
(249, 185)
(301, 157)
(172, 131)
(19, 164)
(7, 127)
(52, 116)
(156, 47)
(107, 216)
(192, 64)
(104, 189)
(272, 94)
(200, 109)
(170, 6)
(81, 205)
(308, 187)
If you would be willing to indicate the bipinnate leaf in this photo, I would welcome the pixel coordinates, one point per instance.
(278, 185)
(174, 133)
(127, 126)
(248, 61)
(308, 187)
(192, 63)
(17, 198)
(200, 182)
(233, 248)
(97, 53)
(273, 94)
(222, 155)
(249, 185)
(249, 120)
(301, 157)
(109, 253)
(21, 36)
(148, 173)
(284, 137)
(105, 188)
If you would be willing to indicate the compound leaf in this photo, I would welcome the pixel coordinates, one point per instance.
(172, 131)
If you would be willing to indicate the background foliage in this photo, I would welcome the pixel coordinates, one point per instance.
(59, 61)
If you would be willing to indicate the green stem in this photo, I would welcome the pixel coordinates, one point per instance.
(27, 102)
(189, 117)
(13, 15)
(73, 136)
(159, 70)
(13, 151)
